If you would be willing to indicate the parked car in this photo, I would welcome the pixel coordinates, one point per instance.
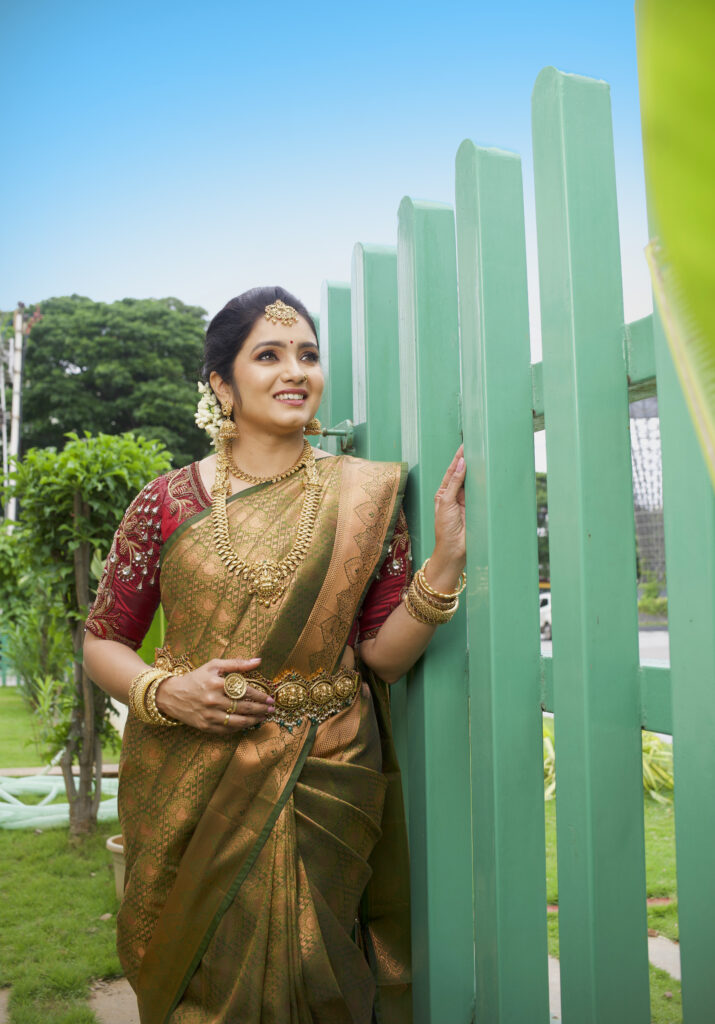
(545, 614)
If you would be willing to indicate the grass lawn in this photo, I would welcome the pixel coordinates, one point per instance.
(53, 940)
(665, 992)
(17, 745)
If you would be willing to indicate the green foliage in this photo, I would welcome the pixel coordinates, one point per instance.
(54, 704)
(657, 765)
(107, 472)
(113, 368)
(651, 603)
(37, 642)
(542, 526)
(677, 89)
(11, 568)
(70, 504)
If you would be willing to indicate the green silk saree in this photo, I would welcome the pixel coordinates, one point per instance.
(267, 875)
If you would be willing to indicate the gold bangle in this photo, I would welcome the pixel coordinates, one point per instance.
(448, 604)
(156, 716)
(436, 593)
(425, 612)
(138, 691)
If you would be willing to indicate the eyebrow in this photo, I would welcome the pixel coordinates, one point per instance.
(282, 344)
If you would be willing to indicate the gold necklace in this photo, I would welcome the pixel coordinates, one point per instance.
(241, 474)
(267, 580)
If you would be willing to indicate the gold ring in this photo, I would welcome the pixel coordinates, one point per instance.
(232, 708)
(235, 685)
(225, 721)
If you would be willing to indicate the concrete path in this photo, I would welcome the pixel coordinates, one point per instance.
(661, 952)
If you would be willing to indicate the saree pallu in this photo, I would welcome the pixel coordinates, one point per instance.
(267, 875)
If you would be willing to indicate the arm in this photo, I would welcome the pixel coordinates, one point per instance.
(401, 639)
(127, 598)
(197, 698)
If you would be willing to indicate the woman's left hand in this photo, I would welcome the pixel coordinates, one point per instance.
(449, 516)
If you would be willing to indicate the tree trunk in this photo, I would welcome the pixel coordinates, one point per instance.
(83, 740)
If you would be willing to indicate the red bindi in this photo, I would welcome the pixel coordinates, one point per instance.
(291, 341)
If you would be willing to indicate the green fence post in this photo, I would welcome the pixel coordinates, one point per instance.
(602, 908)
(503, 574)
(440, 828)
(336, 357)
(689, 520)
(376, 401)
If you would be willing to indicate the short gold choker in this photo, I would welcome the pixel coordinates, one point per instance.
(241, 474)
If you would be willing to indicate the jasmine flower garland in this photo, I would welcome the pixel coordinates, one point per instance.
(208, 413)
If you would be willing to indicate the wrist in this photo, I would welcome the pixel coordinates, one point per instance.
(443, 572)
(163, 696)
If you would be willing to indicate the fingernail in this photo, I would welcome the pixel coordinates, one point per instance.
(460, 465)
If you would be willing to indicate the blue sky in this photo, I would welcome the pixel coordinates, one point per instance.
(155, 149)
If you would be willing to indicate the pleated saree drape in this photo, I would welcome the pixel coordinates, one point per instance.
(267, 873)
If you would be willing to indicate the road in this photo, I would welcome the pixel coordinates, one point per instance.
(652, 643)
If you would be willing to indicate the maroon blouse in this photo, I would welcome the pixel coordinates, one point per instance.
(129, 593)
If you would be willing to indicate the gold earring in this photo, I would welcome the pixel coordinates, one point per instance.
(313, 426)
(228, 430)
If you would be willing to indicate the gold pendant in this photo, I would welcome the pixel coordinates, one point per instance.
(266, 581)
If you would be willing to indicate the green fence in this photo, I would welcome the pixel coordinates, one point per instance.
(429, 343)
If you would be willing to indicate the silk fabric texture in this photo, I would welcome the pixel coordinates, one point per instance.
(267, 875)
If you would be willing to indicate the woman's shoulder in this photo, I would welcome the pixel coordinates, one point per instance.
(367, 464)
(180, 489)
(377, 468)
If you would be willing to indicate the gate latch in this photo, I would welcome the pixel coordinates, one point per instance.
(345, 431)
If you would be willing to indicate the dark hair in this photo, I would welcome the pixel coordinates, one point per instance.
(231, 326)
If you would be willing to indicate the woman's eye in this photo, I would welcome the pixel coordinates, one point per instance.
(312, 357)
(267, 355)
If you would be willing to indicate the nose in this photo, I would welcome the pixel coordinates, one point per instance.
(295, 372)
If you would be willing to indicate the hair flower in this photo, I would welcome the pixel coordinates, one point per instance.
(208, 412)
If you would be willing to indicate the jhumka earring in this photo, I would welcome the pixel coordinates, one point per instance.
(313, 426)
(228, 430)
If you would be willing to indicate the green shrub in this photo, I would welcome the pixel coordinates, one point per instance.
(657, 765)
(38, 644)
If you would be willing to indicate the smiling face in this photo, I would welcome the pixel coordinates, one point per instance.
(277, 378)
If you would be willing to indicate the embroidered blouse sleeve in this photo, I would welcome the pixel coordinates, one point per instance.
(387, 588)
(128, 593)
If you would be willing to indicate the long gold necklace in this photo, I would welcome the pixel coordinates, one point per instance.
(241, 474)
(267, 580)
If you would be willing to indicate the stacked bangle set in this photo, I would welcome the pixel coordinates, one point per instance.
(427, 605)
(142, 697)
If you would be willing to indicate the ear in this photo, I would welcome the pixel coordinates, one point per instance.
(220, 388)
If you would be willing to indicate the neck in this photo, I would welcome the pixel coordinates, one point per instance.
(265, 454)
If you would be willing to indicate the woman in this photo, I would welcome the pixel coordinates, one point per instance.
(259, 796)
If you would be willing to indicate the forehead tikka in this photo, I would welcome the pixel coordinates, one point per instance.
(280, 313)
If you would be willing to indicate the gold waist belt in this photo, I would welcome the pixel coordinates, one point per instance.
(318, 696)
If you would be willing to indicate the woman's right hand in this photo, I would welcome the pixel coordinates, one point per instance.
(198, 698)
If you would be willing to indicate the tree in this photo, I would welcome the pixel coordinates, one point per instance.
(125, 366)
(70, 504)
